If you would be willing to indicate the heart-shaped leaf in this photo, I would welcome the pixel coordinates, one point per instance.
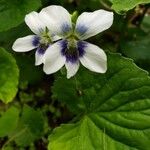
(114, 108)
(125, 5)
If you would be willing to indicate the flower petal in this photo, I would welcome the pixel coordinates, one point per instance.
(91, 23)
(39, 59)
(57, 19)
(72, 68)
(34, 22)
(94, 58)
(55, 37)
(53, 59)
(24, 44)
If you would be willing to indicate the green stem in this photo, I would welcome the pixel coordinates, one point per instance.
(13, 137)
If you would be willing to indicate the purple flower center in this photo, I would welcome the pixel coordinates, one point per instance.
(42, 48)
(72, 53)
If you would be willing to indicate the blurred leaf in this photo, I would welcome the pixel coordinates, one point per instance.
(137, 49)
(115, 108)
(121, 6)
(7, 38)
(28, 71)
(9, 148)
(12, 13)
(8, 121)
(146, 23)
(92, 5)
(25, 97)
(9, 75)
(30, 128)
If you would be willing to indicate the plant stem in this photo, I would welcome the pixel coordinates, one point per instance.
(13, 137)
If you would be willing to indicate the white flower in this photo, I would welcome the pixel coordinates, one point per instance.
(72, 49)
(42, 40)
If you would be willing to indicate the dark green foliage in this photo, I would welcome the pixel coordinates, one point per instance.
(115, 108)
(30, 127)
(8, 121)
(12, 12)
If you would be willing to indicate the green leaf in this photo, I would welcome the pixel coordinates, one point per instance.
(8, 77)
(124, 5)
(146, 23)
(8, 148)
(30, 127)
(8, 121)
(137, 49)
(99, 132)
(115, 112)
(7, 38)
(12, 13)
(26, 64)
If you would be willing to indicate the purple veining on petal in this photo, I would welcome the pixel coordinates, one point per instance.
(72, 57)
(70, 54)
(64, 44)
(65, 28)
(41, 30)
(81, 47)
(41, 49)
(81, 29)
(36, 41)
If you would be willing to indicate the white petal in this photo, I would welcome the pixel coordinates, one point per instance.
(72, 68)
(55, 37)
(24, 44)
(39, 59)
(94, 58)
(57, 19)
(53, 59)
(35, 23)
(91, 23)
